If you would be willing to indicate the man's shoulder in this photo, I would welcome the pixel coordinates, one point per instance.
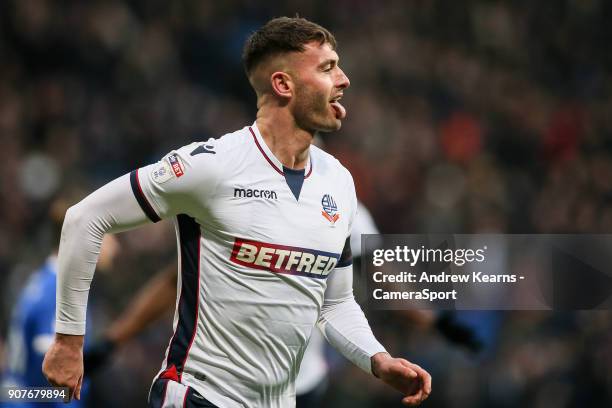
(329, 165)
(209, 157)
(225, 144)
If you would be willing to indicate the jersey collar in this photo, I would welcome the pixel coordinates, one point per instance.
(270, 158)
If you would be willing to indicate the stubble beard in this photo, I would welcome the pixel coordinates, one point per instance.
(312, 112)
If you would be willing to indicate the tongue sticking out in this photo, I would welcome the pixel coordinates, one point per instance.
(339, 109)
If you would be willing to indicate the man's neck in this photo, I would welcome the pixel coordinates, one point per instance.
(288, 143)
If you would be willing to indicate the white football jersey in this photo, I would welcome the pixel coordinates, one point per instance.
(257, 242)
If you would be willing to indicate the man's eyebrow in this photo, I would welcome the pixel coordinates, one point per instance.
(330, 61)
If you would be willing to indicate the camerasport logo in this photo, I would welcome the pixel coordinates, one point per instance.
(175, 163)
(330, 209)
(283, 259)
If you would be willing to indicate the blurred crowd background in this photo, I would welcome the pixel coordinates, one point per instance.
(463, 117)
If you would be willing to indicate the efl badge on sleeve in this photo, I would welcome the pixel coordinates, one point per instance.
(330, 209)
(161, 172)
(175, 163)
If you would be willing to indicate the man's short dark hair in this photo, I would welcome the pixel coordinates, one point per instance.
(281, 35)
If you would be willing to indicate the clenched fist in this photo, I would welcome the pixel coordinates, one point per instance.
(63, 363)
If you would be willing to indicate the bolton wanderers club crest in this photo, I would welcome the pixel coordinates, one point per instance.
(330, 209)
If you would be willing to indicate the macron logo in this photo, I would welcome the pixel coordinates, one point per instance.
(283, 259)
(250, 193)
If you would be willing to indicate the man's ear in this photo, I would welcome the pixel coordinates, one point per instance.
(282, 84)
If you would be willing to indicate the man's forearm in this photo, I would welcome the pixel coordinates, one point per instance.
(343, 323)
(347, 330)
(112, 208)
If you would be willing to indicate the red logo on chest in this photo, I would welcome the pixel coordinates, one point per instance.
(283, 259)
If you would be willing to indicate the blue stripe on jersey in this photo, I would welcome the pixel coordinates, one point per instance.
(140, 197)
(295, 180)
(346, 258)
(157, 394)
(189, 241)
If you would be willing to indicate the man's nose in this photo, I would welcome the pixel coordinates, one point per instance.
(343, 81)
